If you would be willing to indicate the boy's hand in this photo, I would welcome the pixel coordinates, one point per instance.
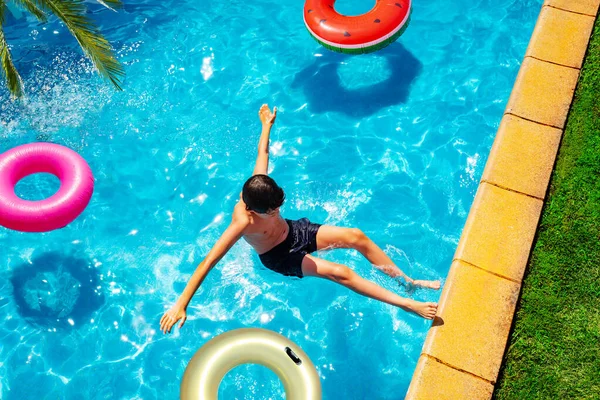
(266, 116)
(171, 317)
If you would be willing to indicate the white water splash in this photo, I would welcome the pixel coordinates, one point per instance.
(207, 69)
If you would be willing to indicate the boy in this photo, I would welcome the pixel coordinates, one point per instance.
(285, 246)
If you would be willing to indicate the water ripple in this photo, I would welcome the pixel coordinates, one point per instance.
(392, 142)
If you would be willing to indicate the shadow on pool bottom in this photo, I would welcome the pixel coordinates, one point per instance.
(325, 91)
(57, 291)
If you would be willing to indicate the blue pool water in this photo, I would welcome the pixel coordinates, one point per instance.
(393, 142)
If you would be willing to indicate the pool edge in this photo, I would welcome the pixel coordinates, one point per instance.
(463, 351)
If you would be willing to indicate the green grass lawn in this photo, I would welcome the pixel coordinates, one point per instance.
(554, 349)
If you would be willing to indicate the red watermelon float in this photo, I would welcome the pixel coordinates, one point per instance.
(360, 34)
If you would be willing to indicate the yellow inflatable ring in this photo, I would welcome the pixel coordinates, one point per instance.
(219, 355)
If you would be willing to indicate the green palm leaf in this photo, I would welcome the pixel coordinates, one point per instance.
(111, 3)
(73, 14)
(97, 48)
(13, 80)
(30, 6)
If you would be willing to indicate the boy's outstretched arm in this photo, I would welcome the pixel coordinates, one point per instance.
(231, 235)
(268, 119)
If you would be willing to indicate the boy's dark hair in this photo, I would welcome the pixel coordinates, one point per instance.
(262, 195)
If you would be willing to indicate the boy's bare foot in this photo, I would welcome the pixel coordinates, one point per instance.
(435, 285)
(425, 310)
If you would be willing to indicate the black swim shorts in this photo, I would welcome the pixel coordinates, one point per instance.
(286, 257)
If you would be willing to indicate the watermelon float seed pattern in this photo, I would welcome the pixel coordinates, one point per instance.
(365, 33)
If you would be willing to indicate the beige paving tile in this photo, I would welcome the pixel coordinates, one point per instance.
(543, 92)
(522, 156)
(477, 310)
(438, 381)
(589, 7)
(561, 37)
(499, 231)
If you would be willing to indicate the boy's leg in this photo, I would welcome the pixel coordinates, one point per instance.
(313, 266)
(332, 237)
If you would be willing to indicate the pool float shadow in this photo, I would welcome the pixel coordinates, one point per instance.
(324, 90)
(56, 291)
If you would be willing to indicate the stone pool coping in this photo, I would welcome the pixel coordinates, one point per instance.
(463, 350)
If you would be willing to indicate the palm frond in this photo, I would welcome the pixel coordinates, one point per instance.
(73, 14)
(13, 80)
(112, 4)
(30, 6)
(2, 11)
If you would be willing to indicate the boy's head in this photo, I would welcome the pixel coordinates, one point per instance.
(262, 195)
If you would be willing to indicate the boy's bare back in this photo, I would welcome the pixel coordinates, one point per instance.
(286, 246)
(262, 232)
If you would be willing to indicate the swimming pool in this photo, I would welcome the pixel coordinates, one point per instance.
(392, 142)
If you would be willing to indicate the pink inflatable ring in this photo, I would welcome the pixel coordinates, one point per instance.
(57, 211)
